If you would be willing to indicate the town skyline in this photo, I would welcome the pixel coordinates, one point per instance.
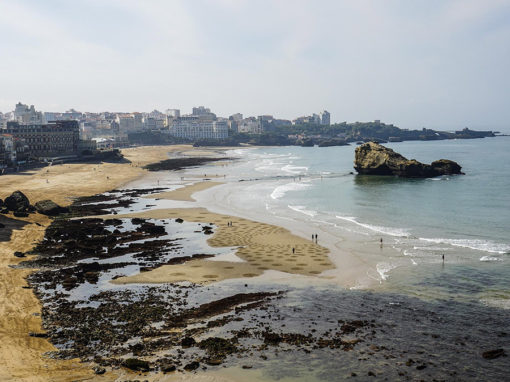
(433, 64)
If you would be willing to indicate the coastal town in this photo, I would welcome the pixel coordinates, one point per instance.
(30, 137)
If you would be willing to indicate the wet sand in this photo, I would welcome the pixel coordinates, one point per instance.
(185, 193)
(261, 247)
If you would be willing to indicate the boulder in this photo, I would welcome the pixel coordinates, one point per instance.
(374, 159)
(49, 208)
(17, 202)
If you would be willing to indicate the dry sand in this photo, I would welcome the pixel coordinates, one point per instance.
(21, 356)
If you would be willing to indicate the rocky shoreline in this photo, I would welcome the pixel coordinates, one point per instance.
(189, 327)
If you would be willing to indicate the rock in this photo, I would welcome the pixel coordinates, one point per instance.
(492, 354)
(99, 370)
(2, 225)
(38, 334)
(214, 361)
(19, 254)
(136, 364)
(20, 214)
(168, 368)
(187, 342)
(179, 220)
(49, 208)
(333, 142)
(374, 159)
(17, 201)
(192, 366)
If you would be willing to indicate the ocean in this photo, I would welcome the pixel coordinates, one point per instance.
(466, 218)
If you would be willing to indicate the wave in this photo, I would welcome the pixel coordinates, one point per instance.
(383, 269)
(391, 231)
(490, 258)
(478, 245)
(280, 191)
(296, 170)
(303, 210)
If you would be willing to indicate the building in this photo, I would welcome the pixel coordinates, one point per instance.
(203, 113)
(250, 125)
(25, 115)
(126, 122)
(52, 139)
(174, 113)
(7, 152)
(325, 118)
(194, 127)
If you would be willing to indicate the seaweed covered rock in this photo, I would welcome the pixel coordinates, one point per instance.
(374, 159)
(17, 201)
(49, 208)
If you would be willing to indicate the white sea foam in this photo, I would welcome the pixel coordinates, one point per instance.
(490, 258)
(391, 231)
(478, 245)
(295, 170)
(280, 191)
(383, 269)
(303, 210)
(431, 248)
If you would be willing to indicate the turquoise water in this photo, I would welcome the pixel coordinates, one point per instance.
(466, 218)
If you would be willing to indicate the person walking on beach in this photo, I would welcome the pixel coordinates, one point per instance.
(316, 238)
(293, 250)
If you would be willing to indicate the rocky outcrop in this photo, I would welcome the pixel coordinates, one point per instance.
(374, 159)
(49, 208)
(18, 202)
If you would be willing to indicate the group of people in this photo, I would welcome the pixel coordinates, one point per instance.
(229, 224)
(314, 237)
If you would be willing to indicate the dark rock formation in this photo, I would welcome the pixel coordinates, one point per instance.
(373, 159)
(17, 202)
(49, 208)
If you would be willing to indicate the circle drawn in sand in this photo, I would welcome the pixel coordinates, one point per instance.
(177, 274)
(296, 268)
(228, 267)
(314, 272)
(210, 276)
(250, 274)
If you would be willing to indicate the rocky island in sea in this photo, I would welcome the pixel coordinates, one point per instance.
(374, 159)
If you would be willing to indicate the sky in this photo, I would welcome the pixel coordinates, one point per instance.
(414, 63)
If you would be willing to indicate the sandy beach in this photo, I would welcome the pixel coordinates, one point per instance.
(256, 247)
(21, 356)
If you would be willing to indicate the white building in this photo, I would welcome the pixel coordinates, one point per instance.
(250, 126)
(25, 115)
(197, 128)
(126, 123)
(325, 118)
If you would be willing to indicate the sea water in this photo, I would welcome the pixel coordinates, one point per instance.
(466, 218)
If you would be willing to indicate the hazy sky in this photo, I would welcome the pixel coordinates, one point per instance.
(439, 64)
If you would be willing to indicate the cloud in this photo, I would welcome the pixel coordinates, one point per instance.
(412, 63)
